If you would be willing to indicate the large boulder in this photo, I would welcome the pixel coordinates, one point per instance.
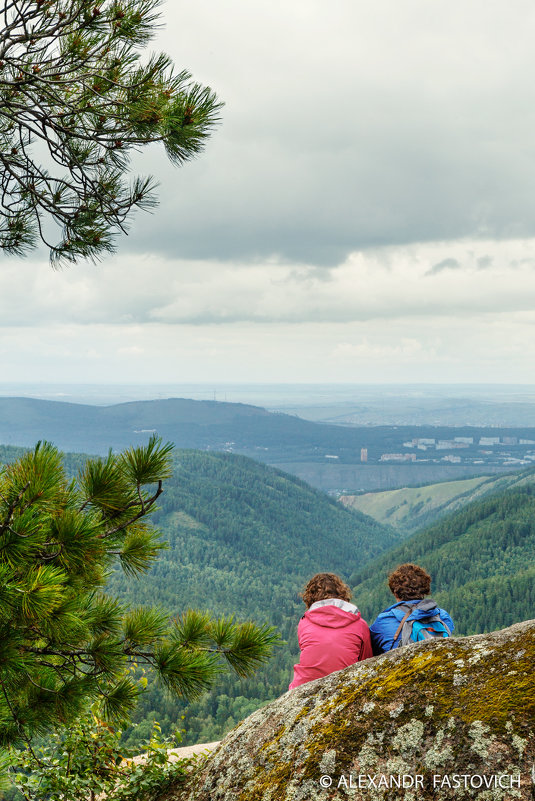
(449, 719)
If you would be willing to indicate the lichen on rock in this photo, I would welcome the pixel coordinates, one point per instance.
(449, 719)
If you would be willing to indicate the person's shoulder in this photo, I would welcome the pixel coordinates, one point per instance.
(447, 617)
(389, 611)
(360, 623)
(382, 616)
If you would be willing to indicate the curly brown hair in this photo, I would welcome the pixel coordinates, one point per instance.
(325, 585)
(409, 582)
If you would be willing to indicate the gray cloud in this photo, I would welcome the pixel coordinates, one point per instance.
(346, 127)
(445, 264)
(384, 284)
(517, 264)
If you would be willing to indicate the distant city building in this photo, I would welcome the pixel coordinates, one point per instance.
(451, 458)
(464, 440)
(526, 441)
(422, 443)
(489, 441)
(510, 440)
(448, 444)
(331, 456)
(364, 454)
(398, 457)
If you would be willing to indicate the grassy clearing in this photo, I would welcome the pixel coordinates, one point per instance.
(404, 508)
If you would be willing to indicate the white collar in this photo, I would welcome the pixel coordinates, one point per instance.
(345, 605)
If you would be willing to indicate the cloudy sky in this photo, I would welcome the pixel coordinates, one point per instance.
(365, 212)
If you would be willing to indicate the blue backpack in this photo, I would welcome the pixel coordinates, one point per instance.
(424, 628)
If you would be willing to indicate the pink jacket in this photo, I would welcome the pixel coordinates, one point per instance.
(331, 635)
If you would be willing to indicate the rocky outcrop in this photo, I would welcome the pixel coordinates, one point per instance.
(449, 719)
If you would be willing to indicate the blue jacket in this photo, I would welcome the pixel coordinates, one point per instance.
(385, 624)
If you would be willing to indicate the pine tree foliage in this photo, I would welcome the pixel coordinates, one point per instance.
(63, 642)
(75, 101)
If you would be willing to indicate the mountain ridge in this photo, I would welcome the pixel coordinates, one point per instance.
(333, 457)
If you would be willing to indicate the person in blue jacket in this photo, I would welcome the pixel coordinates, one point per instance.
(409, 585)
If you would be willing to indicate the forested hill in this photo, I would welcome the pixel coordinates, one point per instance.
(243, 538)
(188, 423)
(482, 560)
(271, 437)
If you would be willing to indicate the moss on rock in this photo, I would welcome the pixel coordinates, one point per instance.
(449, 719)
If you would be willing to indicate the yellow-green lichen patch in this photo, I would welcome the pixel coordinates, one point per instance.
(502, 696)
(268, 783)
(274, 740)
(325, 737)
(302, 714)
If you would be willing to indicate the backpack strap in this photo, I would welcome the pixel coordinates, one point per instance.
(410, 610)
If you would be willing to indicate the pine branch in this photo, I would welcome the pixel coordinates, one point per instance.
(71, 79)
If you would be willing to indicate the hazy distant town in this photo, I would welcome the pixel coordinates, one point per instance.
(482, 450)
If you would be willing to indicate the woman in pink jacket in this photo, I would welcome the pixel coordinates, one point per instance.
(331, 633)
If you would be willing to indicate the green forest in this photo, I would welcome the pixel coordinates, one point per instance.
(243, 538)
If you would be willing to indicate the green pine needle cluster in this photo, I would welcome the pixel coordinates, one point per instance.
(64, 643)
(75, 101)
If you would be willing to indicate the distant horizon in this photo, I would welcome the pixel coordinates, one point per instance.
(272, 395)
(273, 383)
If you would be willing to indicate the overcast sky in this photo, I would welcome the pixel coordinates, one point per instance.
(365, 212)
